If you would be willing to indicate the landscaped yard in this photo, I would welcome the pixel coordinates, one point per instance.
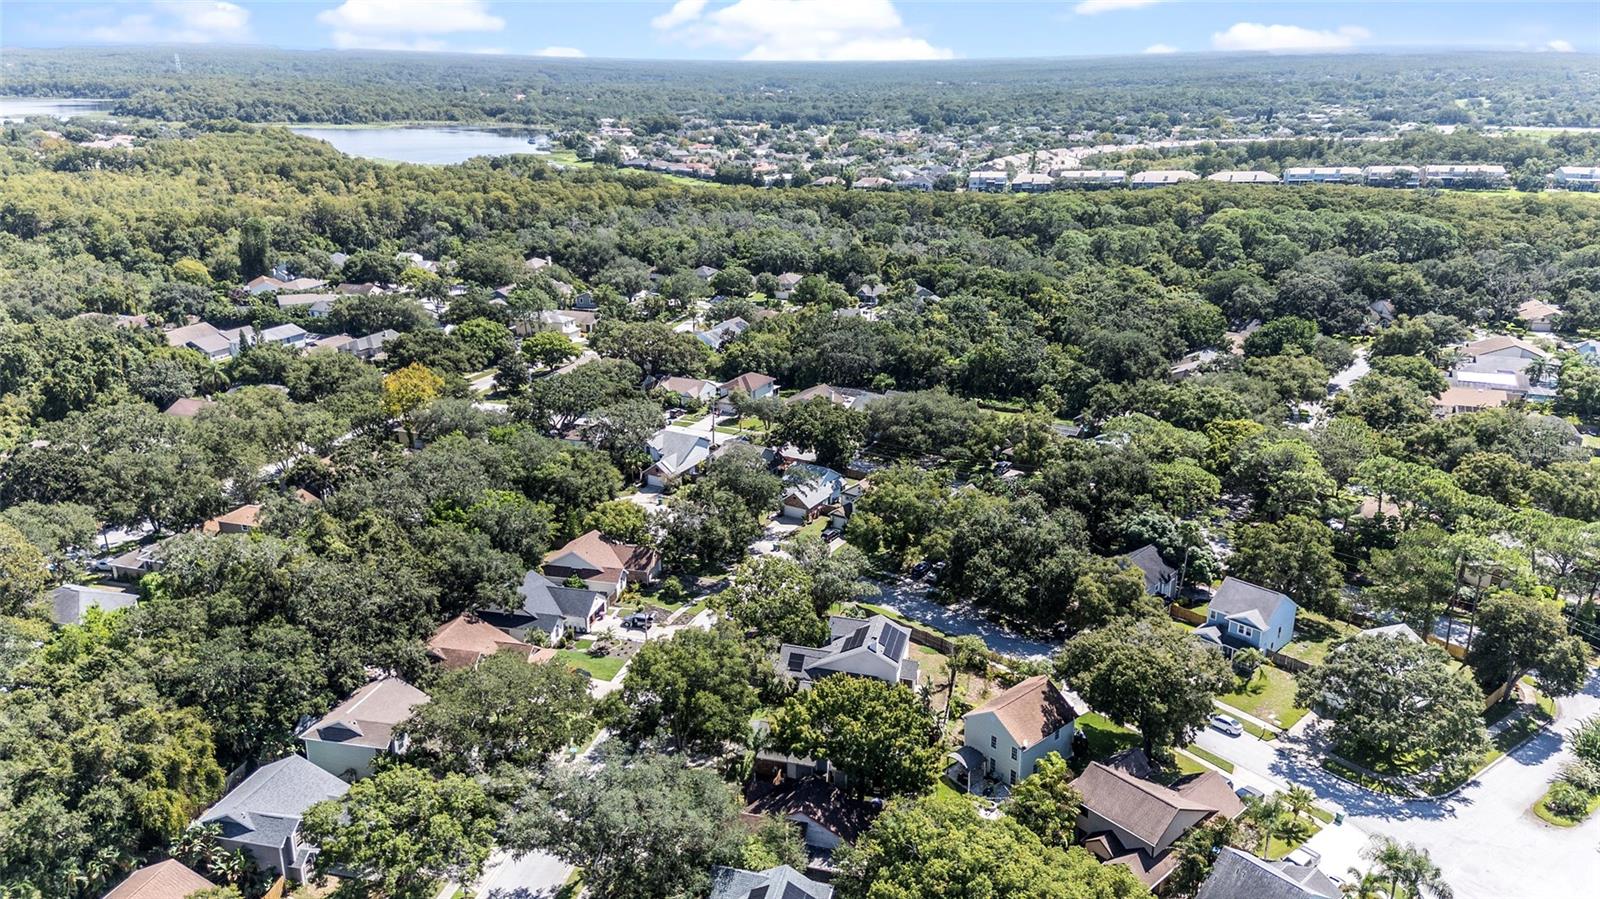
(933, 668)
(1550, 817)
(1269, 696)
(1105, 737)
(601, 667)
(1314, 635)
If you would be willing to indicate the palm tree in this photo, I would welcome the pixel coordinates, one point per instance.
(1364, 885)
(1300, 800)
(1408, 865)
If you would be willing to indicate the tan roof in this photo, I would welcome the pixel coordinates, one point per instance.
(1141, 807)
(170, 879)
(1501, 342)
(370, 715)
(463, 641)
(607, 556)
(1472, 398)
(187, 407)
(244, 517)
(1031, 711)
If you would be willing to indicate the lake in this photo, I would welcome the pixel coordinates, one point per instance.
(15, 109)
(431, 146)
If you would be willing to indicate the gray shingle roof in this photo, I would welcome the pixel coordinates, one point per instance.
(1159, 577)
(265, 809)
(782, 882)
(1239, 599)
(541, 598)
(1238, 874)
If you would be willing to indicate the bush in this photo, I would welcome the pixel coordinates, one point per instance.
(1585, 740)
(1568, 801)
(1583, 775)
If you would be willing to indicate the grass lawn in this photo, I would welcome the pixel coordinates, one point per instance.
(1269, 696)
(1216, 760)
(1106, 739)
(812, 528)
(1280, 848)
(1314, 635)
(1188, 765)
(1376, 785)
(1550, 817)
(603, 668)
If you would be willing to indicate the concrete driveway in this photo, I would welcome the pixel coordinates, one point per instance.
(535, 875)
(1484, 838)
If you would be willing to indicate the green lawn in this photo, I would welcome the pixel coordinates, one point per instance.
(1280, 848)
(1269, 696)
(1314, 635)
(1375, 784)
(1216, 760)
(603, 668)
(1105, 738)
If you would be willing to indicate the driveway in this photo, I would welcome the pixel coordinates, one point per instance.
(536, 875)
(1485, 839)
(911, 600)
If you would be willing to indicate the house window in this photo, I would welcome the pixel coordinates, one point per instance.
(1013, 753)
(1243, 631)
(796, 662)
(1013, 775)
(994, 742)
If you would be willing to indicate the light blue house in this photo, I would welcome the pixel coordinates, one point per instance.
(1242, 614)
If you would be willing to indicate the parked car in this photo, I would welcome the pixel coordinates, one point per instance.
(830, 535)
(639, 621)
(920, 569)
(1248, 793)
(1228, 725)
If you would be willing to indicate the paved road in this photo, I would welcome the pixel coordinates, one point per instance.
(911, 601)
(1488, 843)
(536, 875)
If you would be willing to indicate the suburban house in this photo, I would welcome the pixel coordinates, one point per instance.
(989, 182)
(1456, 175)
(242, 520)
(464, 641)
(369, 347)
(205, 339)
(1457, 400)
(1092, 177)
(782, 882)
(706, 273)
(1160, 178)
(261, 816)
(345, 741)
(848, 397)
(826, 816)
(1577, 177)
(872, 647)
(1242, 615)
(70, 602)
(1132, 821)
(697, 390)
(1160, 579)
(674, 453)
(262, 284)
(555, 321)
(787, 282)
(1538, 315)
(1237, 873)
(1394, 631)
(871, 294)
(187, 407)
(605, 565)
(549, 608)
(807, 489)
(170, 879)
(752, 384)
(1008, 735)
(137, 562)
(1391, 176)
(316, 305)
(719, 334)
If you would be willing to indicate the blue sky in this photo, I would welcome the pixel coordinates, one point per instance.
(810, 29)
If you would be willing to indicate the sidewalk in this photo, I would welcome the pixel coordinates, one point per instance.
(1246, 717)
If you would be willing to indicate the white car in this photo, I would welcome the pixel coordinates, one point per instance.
(1227, 725)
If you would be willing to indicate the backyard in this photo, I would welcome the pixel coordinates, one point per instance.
(1315, 634)
(1269, 695)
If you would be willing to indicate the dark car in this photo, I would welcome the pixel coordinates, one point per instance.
(920, 569)
(639, 621)
(830, 535)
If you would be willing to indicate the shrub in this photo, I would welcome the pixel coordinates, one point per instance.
(1568, 801)
(1585, 740)
(1583, 775)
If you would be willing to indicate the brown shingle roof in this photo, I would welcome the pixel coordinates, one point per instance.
(463, 641)
(839, 813)
(1141, 807)
(370, 715)
(170, 879)
(607, 556)
(1031, 711)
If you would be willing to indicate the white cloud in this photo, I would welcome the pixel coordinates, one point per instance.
(831, 30)
(567, 52)
(1096, 7)
(178, 22)
(682, 13)
(1286, 38)
(410, 25)
(1560, 46)
(1157, 49)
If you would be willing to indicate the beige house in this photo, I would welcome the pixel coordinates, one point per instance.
(1008, 735)
(348, 739)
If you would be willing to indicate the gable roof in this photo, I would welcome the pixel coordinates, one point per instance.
(462, 641)
(687, 386)
(369, 717)
(676, 450)
(810, 485)
(1158, 575)
(187, 407)
(1500, 343)
(170, 879)
(781, 882)
(834, 810)
(1247, 601)
(1237, 874)
(749, 382)
(543, 597)
(245, 517)
(1031, 711)
(265, 809)
(603, 554)
(70, 601)
(1141, 807)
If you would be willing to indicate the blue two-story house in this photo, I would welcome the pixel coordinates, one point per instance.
(1242, 614)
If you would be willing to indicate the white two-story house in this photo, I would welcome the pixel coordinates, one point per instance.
(1008, 735)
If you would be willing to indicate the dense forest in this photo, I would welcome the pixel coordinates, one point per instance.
(1034, 312)
(1090, 95)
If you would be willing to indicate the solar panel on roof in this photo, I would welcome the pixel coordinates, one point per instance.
(855, 640)
(893, 642)
(796, 661)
